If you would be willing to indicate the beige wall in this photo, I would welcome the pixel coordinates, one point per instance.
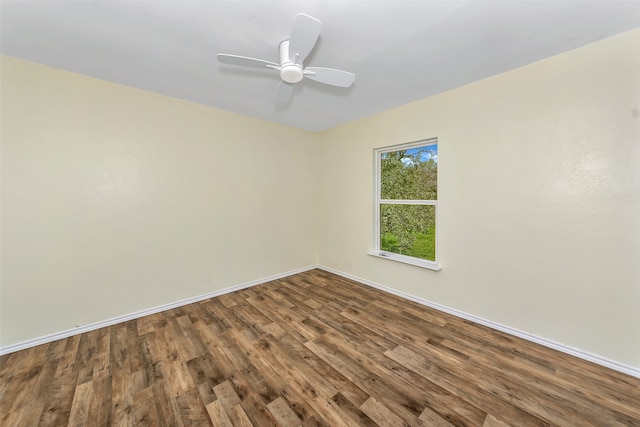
(539, 198)
(116, 200)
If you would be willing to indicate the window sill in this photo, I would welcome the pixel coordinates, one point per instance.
(430, 265)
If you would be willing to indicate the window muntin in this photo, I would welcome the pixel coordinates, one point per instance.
(406, 202)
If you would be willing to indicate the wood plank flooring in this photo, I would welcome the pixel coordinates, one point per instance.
(310, 349)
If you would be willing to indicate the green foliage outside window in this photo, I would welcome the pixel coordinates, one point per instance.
(410, 174)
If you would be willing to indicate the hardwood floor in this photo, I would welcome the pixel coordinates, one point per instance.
(310, 349)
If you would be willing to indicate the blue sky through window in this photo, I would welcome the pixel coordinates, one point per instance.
(427, 152)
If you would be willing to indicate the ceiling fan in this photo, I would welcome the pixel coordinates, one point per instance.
(293, 52)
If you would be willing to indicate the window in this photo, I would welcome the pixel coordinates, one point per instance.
(406, 203)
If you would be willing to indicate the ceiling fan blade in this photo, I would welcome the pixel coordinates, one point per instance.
(284, 92)
(330, 76)
(245, 61)
(303, 37)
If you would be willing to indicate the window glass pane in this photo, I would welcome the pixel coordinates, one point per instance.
(410, 174)
(409, 230)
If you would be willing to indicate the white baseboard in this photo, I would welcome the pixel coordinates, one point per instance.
(626, 369)
(124, 318)
(620, 367)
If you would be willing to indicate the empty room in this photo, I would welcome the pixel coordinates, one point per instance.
(298, 213)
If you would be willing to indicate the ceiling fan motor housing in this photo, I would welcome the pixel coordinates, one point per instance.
(290, 72)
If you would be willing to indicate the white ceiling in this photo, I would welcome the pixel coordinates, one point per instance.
(399, 50)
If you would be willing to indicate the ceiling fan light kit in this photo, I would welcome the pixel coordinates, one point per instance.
(290, 72)
(293, 52)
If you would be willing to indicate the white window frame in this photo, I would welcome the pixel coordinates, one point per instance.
(377, 252)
